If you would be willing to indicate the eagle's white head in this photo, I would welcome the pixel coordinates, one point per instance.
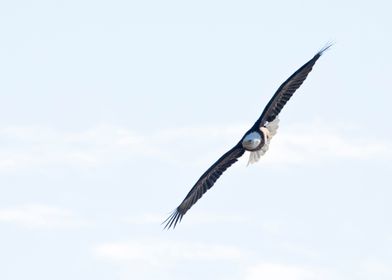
(252, 141)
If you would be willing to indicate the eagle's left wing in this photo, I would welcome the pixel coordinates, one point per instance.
(206, 181)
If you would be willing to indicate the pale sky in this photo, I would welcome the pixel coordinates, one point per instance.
(111, 110)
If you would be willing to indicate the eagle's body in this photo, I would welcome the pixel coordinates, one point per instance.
(256, 140)
(268, 132)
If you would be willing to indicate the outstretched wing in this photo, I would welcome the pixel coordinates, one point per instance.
(286, 90)
(206, 181)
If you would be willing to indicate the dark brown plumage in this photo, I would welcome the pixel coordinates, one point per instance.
(271, 111)
(286, 90)
(206, 181)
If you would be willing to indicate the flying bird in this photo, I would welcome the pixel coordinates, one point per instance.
(256, 140)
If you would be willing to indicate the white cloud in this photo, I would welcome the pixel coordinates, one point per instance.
(150, 258)
(160, 252)
(146, 218)
(278, 271)
(306, 143)
(376, 269)
(161, 256)
(317, 142)
(311, 142)
(39, 146)
(272, 227)
(38, 216)
(299, 249)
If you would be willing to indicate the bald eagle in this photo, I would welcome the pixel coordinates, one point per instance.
(255, 140)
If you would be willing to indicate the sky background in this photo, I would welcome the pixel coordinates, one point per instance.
(111, 110)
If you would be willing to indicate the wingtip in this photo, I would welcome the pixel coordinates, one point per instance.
(325, 48)
(171, 221)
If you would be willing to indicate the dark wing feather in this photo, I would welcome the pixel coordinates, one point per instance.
(206, 181)
(286, 90)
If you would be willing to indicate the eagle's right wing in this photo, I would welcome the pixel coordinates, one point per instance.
(286, 90)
